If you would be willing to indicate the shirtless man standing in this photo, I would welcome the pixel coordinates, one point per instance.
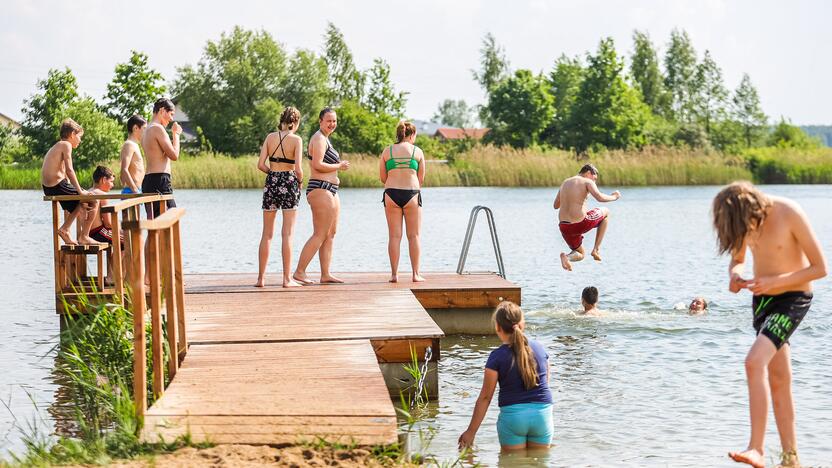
(160, 151)
(132, 163)
(575, 220)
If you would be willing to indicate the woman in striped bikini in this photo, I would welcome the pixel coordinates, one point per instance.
(322, 195)
(402, 171)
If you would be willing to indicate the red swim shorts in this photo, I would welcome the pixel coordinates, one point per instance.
(573, 233)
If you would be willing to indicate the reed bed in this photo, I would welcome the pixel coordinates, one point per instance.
(484, 166)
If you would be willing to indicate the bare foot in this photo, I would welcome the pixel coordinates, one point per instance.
(260, 283)
(291, 284)
(564, 262)
(87, 240)
(417, 278)
(596, 255)
(331, 279)
(751, 457)
(65, 237)
(302, 279)
(394, 279)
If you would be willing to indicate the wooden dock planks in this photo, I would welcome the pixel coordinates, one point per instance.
(276, 393)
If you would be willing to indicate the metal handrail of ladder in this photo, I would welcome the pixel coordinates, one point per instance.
(469, 233)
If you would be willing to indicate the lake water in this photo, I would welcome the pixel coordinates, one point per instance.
(646, 385)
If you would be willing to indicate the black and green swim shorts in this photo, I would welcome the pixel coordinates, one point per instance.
(778, 316)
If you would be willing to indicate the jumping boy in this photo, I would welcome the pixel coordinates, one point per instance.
(787, 258)
(589, 301)
(57, 168)
(575, 220)
(132, 163)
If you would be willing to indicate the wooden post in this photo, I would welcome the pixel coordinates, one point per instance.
(117, 252)
(169, 287)
(155, 312)
(137, 306)
(99, 257)
(180, 289)
(56, 246)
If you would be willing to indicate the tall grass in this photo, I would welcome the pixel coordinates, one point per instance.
(508, 167)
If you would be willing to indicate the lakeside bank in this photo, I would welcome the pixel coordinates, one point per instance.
(488, 166)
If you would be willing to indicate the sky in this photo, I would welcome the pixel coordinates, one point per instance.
(431, 45)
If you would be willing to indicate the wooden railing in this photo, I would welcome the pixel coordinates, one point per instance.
(164, 263)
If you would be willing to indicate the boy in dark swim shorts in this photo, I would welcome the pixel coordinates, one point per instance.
(787, 258)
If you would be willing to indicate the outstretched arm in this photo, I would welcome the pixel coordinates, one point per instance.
(489, 384)
(593, 190)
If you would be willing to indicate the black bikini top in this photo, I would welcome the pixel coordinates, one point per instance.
(283, 159)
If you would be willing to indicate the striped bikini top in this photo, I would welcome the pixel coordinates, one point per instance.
(330, 155)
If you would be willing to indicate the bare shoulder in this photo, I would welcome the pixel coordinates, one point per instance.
(420, 154)
(786, 207)
(295, 138)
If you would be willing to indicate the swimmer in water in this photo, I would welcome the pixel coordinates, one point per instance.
(589, 301)
(698, 306)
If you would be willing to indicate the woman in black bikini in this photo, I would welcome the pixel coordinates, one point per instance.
(322, 195)
(280, 159)
(402, 171)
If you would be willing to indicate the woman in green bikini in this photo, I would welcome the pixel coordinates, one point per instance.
(402, 171)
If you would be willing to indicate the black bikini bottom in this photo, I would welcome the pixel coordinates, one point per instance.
(401, 197)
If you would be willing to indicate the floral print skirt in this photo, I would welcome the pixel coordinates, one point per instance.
(281, 192)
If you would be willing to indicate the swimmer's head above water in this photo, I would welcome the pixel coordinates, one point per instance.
(698, 306)
(589, 299)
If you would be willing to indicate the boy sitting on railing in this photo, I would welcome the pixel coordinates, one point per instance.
(102, 229)
(57, 168)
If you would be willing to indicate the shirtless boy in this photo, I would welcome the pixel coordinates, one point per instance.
(160, 151)
(589, 301)
(57, 168)
(575, 220)
(787, 258)
(132, 163)
(103, 181)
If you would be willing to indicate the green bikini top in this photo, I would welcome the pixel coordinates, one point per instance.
(393, 163)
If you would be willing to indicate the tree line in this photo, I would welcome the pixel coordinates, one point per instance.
(236, 91)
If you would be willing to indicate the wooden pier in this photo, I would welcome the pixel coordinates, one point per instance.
(274, 365)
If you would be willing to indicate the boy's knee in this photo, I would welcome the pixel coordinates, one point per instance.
(779, 380)
(412, 237)
(754, 366)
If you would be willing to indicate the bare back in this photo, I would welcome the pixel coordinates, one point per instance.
(573, 194)
(403, 178)
(155, 141)
(54, 164)
(282, 144)
(132, 163)
(776, 247)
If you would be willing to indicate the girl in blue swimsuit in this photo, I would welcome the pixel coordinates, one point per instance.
(521, 367)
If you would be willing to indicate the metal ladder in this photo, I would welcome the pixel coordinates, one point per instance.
(469, 233)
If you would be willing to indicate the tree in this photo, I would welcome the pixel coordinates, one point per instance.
(454, 113)
(306, 86)
(346, 82)
(644, 69)
(564, 83)
(786, 135)
(680, 75)
(493, 62)
(710, 103)
(607, 111)
(134, 88)
(361, 130)
(43, 112)
(381, 96)
(103, 135)
(747, 110)
(237, 79)
(519, 109)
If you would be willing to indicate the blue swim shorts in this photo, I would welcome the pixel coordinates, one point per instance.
(525, 422)
(128, 190)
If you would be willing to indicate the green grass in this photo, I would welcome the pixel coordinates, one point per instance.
(507, 167)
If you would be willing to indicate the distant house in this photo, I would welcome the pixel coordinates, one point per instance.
(5, 120)
(180, 117)
(427, 128)
(449, 133)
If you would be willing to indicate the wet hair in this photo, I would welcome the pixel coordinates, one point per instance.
(738, 209)
(101, 172)
(135, 121)
(163, 103)
(68, 127)
(589, 168)
(290, 118)
(508, 316)
(704, 302)
(325, 111)
(404, 129)
(590, 295)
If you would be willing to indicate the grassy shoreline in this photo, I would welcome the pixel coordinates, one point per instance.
(506, 167)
